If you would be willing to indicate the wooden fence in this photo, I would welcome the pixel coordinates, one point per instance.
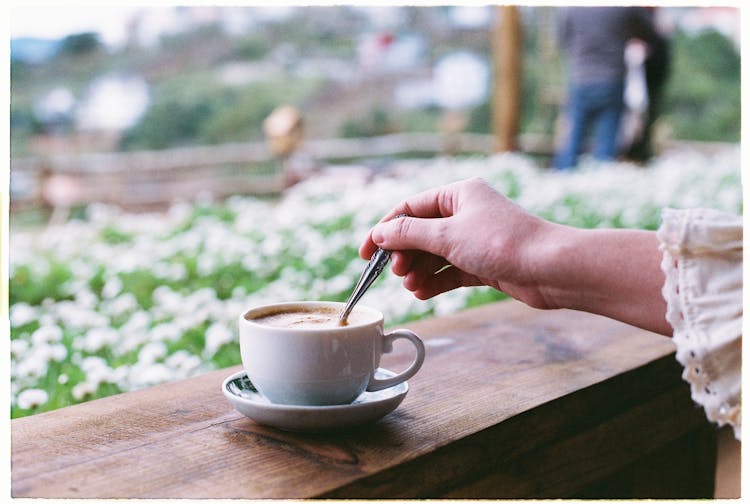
(148, 178)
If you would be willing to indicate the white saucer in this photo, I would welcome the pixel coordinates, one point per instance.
(368, 407)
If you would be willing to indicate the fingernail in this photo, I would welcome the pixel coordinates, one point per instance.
(377, 235)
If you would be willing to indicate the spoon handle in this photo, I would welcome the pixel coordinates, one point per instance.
(376, 265)
(377, 262)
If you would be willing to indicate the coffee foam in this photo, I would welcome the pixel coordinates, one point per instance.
(307, 317)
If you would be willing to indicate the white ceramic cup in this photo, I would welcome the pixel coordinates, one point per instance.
(319, 365)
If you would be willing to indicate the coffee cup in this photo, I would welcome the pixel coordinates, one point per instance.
(300, 353)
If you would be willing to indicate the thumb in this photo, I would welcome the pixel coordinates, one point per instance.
(411, 233)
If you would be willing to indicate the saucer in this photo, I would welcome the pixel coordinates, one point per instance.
(368, 407)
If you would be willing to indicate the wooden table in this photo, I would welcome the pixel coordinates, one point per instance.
(511, 402)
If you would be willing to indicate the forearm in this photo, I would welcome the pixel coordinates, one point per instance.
(612, 272)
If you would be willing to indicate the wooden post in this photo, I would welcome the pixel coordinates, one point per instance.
(506, 61)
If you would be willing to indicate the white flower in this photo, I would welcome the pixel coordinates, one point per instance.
(96, 339)
(32, 398)
(167, 299)
(180, 210)
(21, 313)
(96, 370)
(86, 299)
(122, 304)
(18, 347)
(151, 352)
(34, 365)
(83, 389)
(138, 321)
(217, 335)
(112, 287)
(177, 272)
(120, 376)
(144, 375)
(57, 352)
(192, 318)
(76, 317)
(169, 271)
(46, 334)
(183, 363)
(168, 331)
(160, 269)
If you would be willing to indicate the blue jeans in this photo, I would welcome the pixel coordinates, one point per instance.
(601, 105)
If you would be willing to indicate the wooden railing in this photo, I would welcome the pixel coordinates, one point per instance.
(511, 403)
(147, 178)
(156, 177)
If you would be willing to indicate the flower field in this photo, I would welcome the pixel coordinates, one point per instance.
(117, 301)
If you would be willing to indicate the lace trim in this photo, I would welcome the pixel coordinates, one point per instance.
(719, 400)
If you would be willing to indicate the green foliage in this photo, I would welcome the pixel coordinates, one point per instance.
(112, 235)
(96, 282)
(480, 118)
(251, 48)
(341, 223)
(34, 285)
(378, 122)
(702, 98)
(198, 110)
(177, 112)
(80, 44)
(240, 116)
(225, 278)
(193, 340)
(141, 283)
(228, 355)
(420, 120)
(479, 297)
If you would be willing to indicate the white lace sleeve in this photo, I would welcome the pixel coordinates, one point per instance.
(702, 263)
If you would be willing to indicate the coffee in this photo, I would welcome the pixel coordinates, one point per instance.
(307, 318)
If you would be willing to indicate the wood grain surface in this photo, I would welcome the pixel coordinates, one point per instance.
(510, 402)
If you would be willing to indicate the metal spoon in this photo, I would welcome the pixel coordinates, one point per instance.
(373, 269)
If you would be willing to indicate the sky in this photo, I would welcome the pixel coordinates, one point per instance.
(110, 19)
(61, 20)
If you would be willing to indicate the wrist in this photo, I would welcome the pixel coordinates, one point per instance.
(556, 265)
(610, 272)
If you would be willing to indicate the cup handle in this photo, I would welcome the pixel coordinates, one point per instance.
(388, 339)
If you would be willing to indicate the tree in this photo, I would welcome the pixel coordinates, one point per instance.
(80, 44)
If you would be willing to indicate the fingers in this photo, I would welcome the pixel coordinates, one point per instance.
(368, 247)
(401, 262)
(435, 202)
(422, 269)
(425, 212)
(423, 241)
(444, 280)
(410, 233)
(370, 244)
(434, 288)
(425, 274)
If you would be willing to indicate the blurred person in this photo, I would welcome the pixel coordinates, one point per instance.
(684, 280)
(656, 67)
(635, 96)
(593, 40)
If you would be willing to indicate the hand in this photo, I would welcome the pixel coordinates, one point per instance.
(466, 234)
(484, 237)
